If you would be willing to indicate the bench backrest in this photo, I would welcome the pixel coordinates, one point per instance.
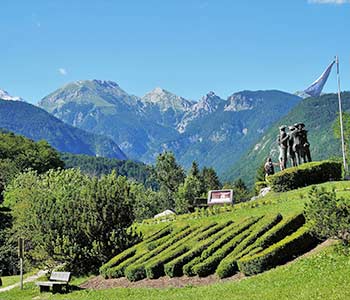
(60, 276)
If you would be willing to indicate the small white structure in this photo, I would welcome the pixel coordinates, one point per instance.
(220, 197)
(167, 212)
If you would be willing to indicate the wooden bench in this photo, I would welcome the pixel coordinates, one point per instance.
(56, 282)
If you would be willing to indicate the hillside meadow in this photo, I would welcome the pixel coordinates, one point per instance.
(320, 275)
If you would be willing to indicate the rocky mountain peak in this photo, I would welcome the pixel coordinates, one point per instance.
(166, 100)
(4, 95)
(242, 101)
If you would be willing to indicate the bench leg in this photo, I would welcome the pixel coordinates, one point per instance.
(44, 288)
(57, 288)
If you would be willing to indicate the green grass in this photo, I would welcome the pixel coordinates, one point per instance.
(325, 275)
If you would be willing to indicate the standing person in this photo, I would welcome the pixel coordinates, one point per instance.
(283, 145)
(268, 167)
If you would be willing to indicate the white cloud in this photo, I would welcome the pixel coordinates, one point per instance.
(62, 71)
(338, 2)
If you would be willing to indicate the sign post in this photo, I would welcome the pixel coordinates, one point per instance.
(21, 255)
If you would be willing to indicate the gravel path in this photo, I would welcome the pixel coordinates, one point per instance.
(29, 279)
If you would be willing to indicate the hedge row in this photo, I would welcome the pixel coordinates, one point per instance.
(228, 266)
(209, 265)
(118, 270)
(304, 175)
(166, 253)
(286, 227)
(227, 237)
(116, 261)
(174, 267)
(159, 234)
(293, 245)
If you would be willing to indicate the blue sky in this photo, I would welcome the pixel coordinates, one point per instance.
(188, 47)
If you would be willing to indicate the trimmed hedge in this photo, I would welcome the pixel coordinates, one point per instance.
(286, 227)
(305, 174)
(142, 254)
(293, 245)
(226, 238)
(138, 270)
(159, 234)
(155, 269)
(104, 269)
(174, 267)
(228, 266)
(209, 265)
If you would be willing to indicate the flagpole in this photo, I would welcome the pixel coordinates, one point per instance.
(341, 120)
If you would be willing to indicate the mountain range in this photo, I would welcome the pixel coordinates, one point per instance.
(35, 123)
(213, 131)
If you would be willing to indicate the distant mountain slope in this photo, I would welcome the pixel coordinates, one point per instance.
(35, 123)
(318, 114)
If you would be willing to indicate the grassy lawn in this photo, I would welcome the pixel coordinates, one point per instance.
(325, 275)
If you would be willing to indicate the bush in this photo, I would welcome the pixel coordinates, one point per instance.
(228, 266)
(294, 245)
(328, 215)
(305, 174)
(259, 185)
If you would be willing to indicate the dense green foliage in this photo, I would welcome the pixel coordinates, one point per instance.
(304, 175)
(97, 166)
(328, 215)
(346, 130)
(69, 218)
(18, 154)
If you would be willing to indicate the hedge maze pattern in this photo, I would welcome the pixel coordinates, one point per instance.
(251, 246)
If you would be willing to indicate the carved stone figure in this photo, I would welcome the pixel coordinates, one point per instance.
(283, 145)
(297, 144)
(291, 153)
(305, 143)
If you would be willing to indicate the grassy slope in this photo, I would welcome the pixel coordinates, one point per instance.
(322, 276)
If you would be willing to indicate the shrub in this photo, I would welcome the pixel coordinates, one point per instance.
(228, 266)
(259, 185)
(328, 215)
(291, 246)
(305, 174)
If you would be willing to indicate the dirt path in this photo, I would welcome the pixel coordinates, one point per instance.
(29, 279)
(164, 282)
